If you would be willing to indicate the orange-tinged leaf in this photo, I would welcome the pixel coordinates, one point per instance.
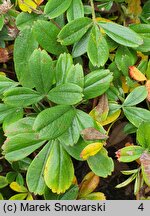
(136, 74)
(91, 150)
(18, 188)
(95, 196)
(88, 184)
(38, 2)
(75, 181)
(148, 89)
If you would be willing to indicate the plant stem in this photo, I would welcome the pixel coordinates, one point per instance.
(93, 10)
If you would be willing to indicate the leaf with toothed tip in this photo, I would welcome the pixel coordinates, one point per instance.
(101, 164)
(59, 171)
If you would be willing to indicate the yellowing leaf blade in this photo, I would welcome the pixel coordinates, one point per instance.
(18, 188)
(91, 150)
(88, 184)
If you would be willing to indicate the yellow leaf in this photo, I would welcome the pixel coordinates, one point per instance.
(136, 74)
(18, 188)
(29, 197)
(110, 118)
(88, 184)
(125, 87)
(75, 181)
(20, 196)
(95, 196)
(142, 56)
(29, 5)
(2, 74)
(91, 150)
(103, 19)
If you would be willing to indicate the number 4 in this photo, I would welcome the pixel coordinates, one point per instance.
(141, 207)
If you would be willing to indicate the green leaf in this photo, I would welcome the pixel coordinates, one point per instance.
(71, 136)
(55, 8)
(129, 153)
(27, 19)
(129, 172)
(22, 55)
(121, 34)
(101, 164)
(1, 21)
(96, 83)
(146, 12)
(124, 58)
(144, 31)
(136, 115)
(7, 111)
(20, 196)
(143, 137)
(3, 182)
(67, 93)
(80, 47)
(21, 145)
(81, 121)
(21, 96)
(23, 125)
(126, 182)
(6, 83)
(11, 176)
(71, 194)
(46, 34)
(41, 70)
(73, 31)
(66, 72)
(76, 10)
(1, 197)
(97, 49)
(49, 195)
(76, 75)
(24, 163)
(136, 96)
(59, 171)
(35, 173)
(53, 122)
(17, 115)
(63, 66)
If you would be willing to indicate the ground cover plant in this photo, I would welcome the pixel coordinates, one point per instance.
(74, 99)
